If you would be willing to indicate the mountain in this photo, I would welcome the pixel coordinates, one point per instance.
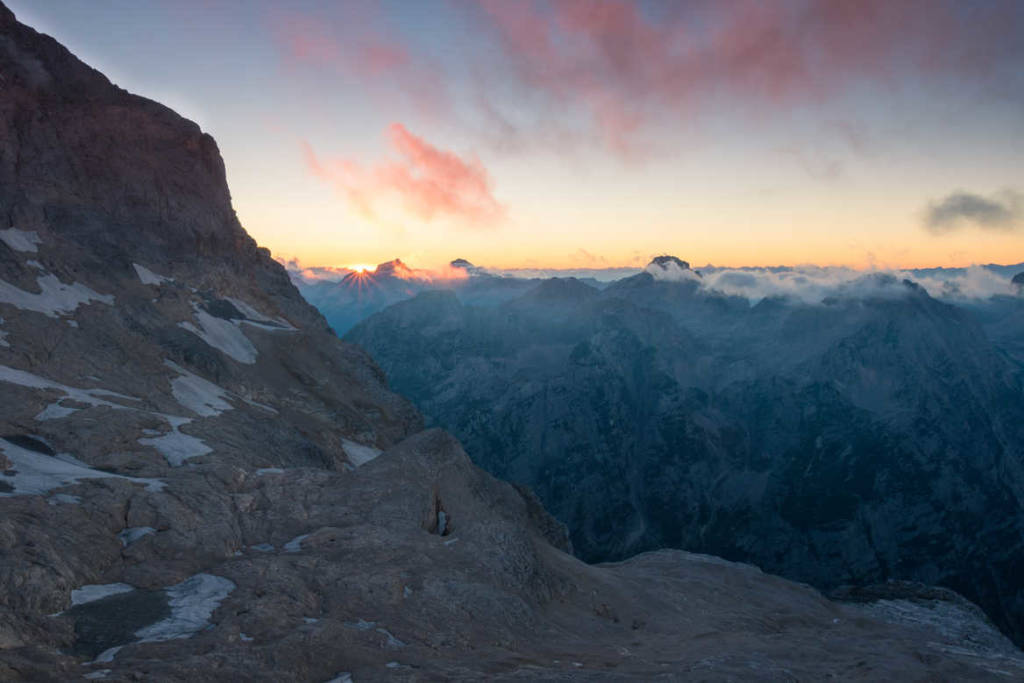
(360, 294)
(875, 435)
(199, 481)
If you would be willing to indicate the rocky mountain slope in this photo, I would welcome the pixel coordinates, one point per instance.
(199, 482)
(876, 435)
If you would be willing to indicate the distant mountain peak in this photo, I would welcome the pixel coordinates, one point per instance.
(664, 260)
(468, 268)
(1018, 282)
(394, 268)
(671, 268)
(561, 289)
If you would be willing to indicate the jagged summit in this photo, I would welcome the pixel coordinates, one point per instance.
(672, 269)
(394, 268)
(561, 290)
(461, 264)
(381, 276)
(664, 260)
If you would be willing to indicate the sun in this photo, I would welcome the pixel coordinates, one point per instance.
(361, 267)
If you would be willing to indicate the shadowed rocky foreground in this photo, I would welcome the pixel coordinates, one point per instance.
(201, 482)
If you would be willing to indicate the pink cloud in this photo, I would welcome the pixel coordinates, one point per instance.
(350, 43)
(622, 67)
(431, 182)
(558, 73)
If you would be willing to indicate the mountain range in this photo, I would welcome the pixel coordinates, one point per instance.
(200, 482)
(874, 434)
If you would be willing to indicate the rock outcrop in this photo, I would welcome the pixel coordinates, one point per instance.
(200, 482)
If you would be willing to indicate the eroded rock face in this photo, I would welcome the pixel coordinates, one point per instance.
(200, 482)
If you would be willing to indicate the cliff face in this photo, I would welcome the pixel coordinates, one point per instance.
(198, 481)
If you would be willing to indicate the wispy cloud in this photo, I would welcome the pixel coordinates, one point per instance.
(960, 209)
(543, 73)
(624, 64)
(354, 43)
(430, 182)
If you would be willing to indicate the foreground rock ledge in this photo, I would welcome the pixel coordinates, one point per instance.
(202, 483)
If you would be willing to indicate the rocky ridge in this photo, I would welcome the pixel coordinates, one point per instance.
(201, 482)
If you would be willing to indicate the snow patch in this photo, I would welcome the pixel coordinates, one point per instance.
(202, 397)
(263, 547)
(244, 638)
(261, 406)
(134, 533)
(343, 677)
(357, 453)
(176, 446)
(37, 473)
(107, 656)
(89, 396)
(361, 624)
(55, 298)
(54, 411)
(295, 545)
(192, 603)
(97, 591)
(102, 673)
(148, 277)
(391, 640)
(269, 470)
(20, 240)
(963, 624)
(223, 335)
(252, 315)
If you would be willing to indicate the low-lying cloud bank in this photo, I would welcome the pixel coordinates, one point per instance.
(808, 283)
(812, 284)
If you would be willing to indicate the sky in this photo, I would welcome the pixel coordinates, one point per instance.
(572, 134)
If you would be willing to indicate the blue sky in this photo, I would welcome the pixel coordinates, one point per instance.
(569, 134)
